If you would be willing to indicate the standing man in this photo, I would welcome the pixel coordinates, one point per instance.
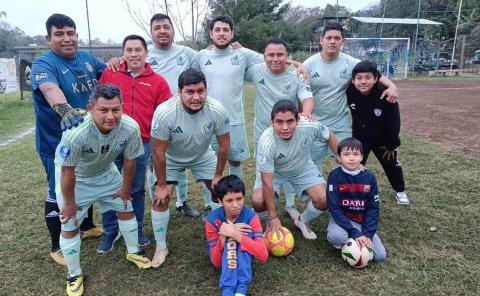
(273, 82)
(143, 91)
(85, 174)
(62, 80)
(182, 129)
(330, 74)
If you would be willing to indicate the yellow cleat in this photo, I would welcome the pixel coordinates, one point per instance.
(75, 285)
(140, 259)
(92, 232)
(58, 258)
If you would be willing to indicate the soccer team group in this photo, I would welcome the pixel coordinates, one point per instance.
(162, 109)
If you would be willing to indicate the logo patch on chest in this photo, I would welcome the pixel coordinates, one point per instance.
(377, 112)
(235, 60)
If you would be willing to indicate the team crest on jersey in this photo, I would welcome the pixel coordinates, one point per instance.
(286, 89)
(64, 151)
(180, 60)
(377, 112)
(344, 74)
(352, 105)
(305, 143)
(89, 67)
(104, 149)
(235, 60)
(208, 128)
(366, 188)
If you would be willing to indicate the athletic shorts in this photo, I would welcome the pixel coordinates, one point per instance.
(239, 150)
(100, 190)
(305, 179)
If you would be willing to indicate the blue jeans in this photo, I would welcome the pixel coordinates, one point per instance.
(109, 218)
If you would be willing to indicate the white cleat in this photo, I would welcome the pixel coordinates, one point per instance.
(305, 229)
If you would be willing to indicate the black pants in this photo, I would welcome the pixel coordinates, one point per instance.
(392, 167)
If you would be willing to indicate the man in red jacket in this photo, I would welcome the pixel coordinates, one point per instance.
(142, 91)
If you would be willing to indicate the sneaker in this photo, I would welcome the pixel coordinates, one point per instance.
(206, 211)
(402, 198)
(75, 285)
(92, 232)
(305, 229)
(143, 240)
(159, 258)
(58, 258)
(107, 243)
(187, 211)
(139, 259)
(293, 212)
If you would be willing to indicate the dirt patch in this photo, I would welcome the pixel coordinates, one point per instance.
(444, 112)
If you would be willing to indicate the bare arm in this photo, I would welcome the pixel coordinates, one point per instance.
(307, 108)
(67, 182)
(332, 142)
(301, 70)
(159, 149)
(52, 93)
(224, 144)
(269, 199)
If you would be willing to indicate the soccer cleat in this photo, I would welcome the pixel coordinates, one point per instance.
(58, 258)
(402, 198)
(305, 229)
(187, 210)
(293, 212)
(92, 232)
(143, 240)
(139, 259)
(107, 243)
(159, 258)
(75, 285)
(206, 211)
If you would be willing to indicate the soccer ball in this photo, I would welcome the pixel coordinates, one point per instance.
(356, 256)
(279, 243)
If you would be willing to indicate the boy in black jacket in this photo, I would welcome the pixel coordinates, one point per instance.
(376, 123)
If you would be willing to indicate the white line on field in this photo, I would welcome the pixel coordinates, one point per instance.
(441, 88)
(18, 137)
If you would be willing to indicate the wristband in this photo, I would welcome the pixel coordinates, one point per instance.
(273, 217)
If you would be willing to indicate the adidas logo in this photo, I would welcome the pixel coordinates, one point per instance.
(177, 130)
(71, 252)
(280, 156)
(208, 63)
(262, 82)
(161, 229)
(89, 150)
(316, 75)
(154, 63)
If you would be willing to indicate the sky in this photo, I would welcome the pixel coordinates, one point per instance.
(109, 19)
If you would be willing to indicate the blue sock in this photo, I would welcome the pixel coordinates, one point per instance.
(71, 252)
(207, 195)
(289, 195)
(310, 213)
(236, 170)
(160, 224)
(129, 231)
(181, 188)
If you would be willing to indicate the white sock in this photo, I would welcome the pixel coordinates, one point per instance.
(181, 188)
(160, 224)
(289, 195)
(71, 252)
(129, 231)
(310, 213)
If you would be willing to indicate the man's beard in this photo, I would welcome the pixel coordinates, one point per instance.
(223, 46)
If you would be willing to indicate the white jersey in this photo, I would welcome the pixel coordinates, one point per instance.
(225, 71)
(171, 63)
(329, 81)
(189, 135)
(92, 153)
(271, 88)
(288, 158)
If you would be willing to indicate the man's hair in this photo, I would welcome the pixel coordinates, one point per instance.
(107, 91)
(229, 184)
(59, 20)
(349, 143)
(284, 106)
(191, 76)
(159, 17)
(134, 37)
(277, 41)
(334, 26)
(366, 67)
(222, 18)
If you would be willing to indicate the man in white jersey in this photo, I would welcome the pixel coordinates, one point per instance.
(283, 156)
(273, 81)
(182, 130)
(85, 173)
(330, 74)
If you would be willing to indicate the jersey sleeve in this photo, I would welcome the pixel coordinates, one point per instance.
(99, 67)
(68, 151)
(160, 128)
(255, 246)
(42, 72)
(266, 155)
(304, 91)
(191, 55)
(222, 122)
(251, 57)
(335, 209)
(134, 147)
(372, 212)
(250, 73)
(215, 245)
(163, 91)
(322, 132)
(392, 125)
(351, 61)
(195, 64)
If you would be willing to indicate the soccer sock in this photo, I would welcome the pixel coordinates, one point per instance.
(289, 195)
(207, 195)
(263, 215)
(181, 188)
(87, 223)
(236, 170)
(71, 252)
(129, 231)
(310, 213)
(160, 224)
(53, 223)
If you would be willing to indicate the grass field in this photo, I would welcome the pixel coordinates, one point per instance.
(442, 185)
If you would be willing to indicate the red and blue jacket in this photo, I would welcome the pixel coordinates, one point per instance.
(235, 259)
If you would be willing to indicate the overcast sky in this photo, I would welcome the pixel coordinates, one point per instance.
(108, 18)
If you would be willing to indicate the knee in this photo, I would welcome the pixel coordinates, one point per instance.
(69, 234)
(336, 238)
(257, 202)
(319, 201)
(125, 215)
(380, 254)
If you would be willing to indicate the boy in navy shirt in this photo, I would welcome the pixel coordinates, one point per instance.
(353, 201)
(376, 123)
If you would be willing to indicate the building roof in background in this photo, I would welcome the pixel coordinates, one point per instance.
(387, 20)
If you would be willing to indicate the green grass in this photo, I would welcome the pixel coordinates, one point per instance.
(442, 185)
(15, 115)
